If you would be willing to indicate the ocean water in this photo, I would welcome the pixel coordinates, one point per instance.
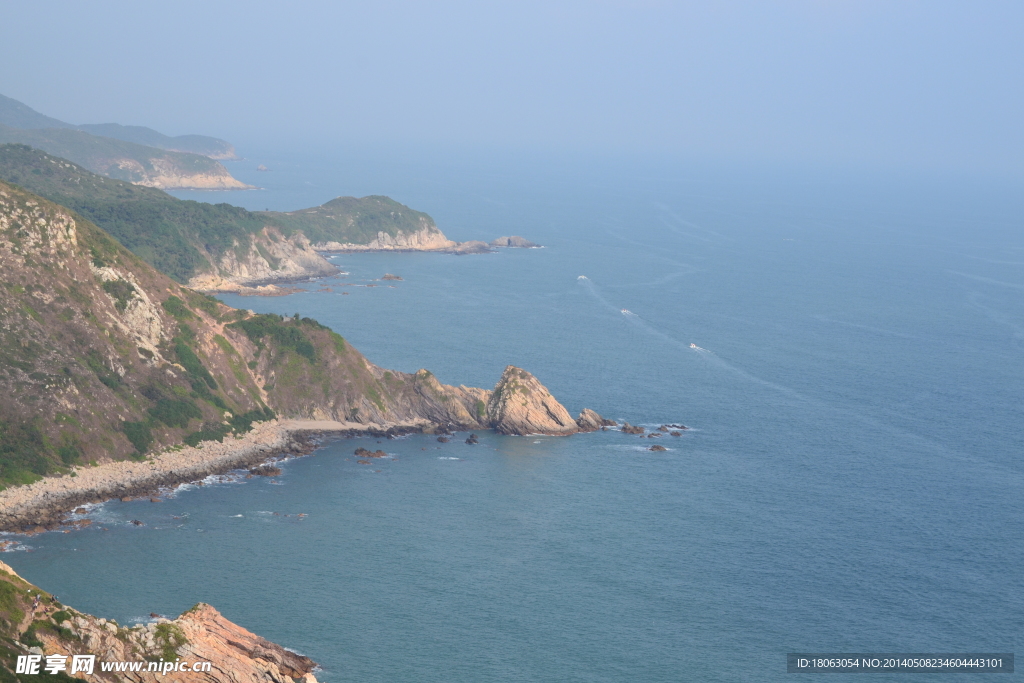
(852, 479)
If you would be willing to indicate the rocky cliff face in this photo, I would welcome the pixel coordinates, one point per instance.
(166, 176)
(33, 623)
(520, 404)
(267, 257)
(428, 238)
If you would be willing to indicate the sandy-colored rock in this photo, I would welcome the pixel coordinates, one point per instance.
(590, 421)
(200, 635)
(520, 404)
(514, 241)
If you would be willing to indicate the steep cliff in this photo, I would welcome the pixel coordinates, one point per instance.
(520, 404)
(33, 623)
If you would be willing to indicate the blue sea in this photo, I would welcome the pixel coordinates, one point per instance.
(852, 479)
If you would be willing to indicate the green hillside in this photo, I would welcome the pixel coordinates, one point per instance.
(353, 220)
(159, 228)
(114, 158)
(171, 234)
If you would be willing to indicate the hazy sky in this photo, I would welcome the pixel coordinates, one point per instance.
(900, 84)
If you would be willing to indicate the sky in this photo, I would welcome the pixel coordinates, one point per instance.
(899, 84)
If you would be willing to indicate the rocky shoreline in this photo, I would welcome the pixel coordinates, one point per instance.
(46, 504)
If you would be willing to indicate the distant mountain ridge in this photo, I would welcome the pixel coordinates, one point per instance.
(19, 115)
(132, 153)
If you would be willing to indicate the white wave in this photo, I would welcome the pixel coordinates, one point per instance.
(582, 277)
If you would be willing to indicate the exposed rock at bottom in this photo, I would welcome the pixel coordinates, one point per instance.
(265, 471)
(201, 634)
(657, 447)
(631, 429)
(364, 453)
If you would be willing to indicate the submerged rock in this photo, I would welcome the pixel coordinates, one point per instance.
(364, 453)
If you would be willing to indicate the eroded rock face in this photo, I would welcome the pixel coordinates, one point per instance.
(268, 257)
(590, 421)
(520, 404)
(201, 634)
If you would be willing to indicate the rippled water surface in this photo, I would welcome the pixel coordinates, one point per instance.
(852, 480)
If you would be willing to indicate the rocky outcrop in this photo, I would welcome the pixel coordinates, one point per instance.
(268, 257)
(200, 635)
(590, 421)
(514, 241)
(520, 404)
(171, 174)
(428, 238)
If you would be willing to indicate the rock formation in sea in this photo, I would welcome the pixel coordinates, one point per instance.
(514, 241)
(590, 421)
(520, 404)
(33, 623)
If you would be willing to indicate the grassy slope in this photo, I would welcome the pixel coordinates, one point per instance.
(352, 220)
(101, 154)
(75, 375)
(161, 229)
(165, 231)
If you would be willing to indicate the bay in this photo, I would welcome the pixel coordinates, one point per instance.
(851, 480)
